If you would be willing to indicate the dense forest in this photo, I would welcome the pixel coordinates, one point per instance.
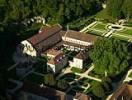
(120, 8)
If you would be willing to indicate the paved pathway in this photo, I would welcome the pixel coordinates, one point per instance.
(85, 74)
(109, 33)
(19, 85)
(27, 74)
(13, 66)
(127, 78)
(85, 28)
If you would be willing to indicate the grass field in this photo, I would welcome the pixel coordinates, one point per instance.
(100, 26)
(125, 34)
(98, 29)
(95, 32)
(126, 31)
(130, 75)
(120, 37)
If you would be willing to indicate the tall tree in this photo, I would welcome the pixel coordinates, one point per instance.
(49, 80)
(109, 56)
(97, 89)
(62, 84)
(114, 8)
(127, 9)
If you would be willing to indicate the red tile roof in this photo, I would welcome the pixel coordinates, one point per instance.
(50, 93)
(124, 91)
(58, 56)
(44, 91)
(80, 36)
(44, 33)
(82, 55)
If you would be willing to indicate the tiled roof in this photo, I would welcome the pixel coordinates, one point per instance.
(80, 36)
(49, 93)
(82, 55)
(80, 96)
(58, 56)
(62, 33)
(53, 52)
(124, 91)
(44, 33)
(46, 38)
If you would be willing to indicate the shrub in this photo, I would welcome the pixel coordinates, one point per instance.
(76, 70)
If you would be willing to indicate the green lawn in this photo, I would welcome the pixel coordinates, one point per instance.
(104, 16)
(130, 75)
(76, 70)
(35, 78)
(100, 26)
(129, 24)
(91, 31)
(98, 29)
(126, 31)
(120, 37)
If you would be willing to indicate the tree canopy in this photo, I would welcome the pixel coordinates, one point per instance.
(109, 56)
(120, 8)
(97, 89)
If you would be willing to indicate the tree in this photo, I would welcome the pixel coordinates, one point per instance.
(97, 89)
(114, 8)
(127, 9)
(109, 56)
(49, 80)
(62, 84)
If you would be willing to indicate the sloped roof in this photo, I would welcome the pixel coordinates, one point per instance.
(80, 36)
(53, 52)
(124, 91)
(58, 54)
(81, 96)
(44, 91)
(44, 33)
(82, 55)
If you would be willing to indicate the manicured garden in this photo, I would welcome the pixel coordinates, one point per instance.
(100, 26)
(120, 37)
(126, 31)
(95, 32)
(98, 29)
